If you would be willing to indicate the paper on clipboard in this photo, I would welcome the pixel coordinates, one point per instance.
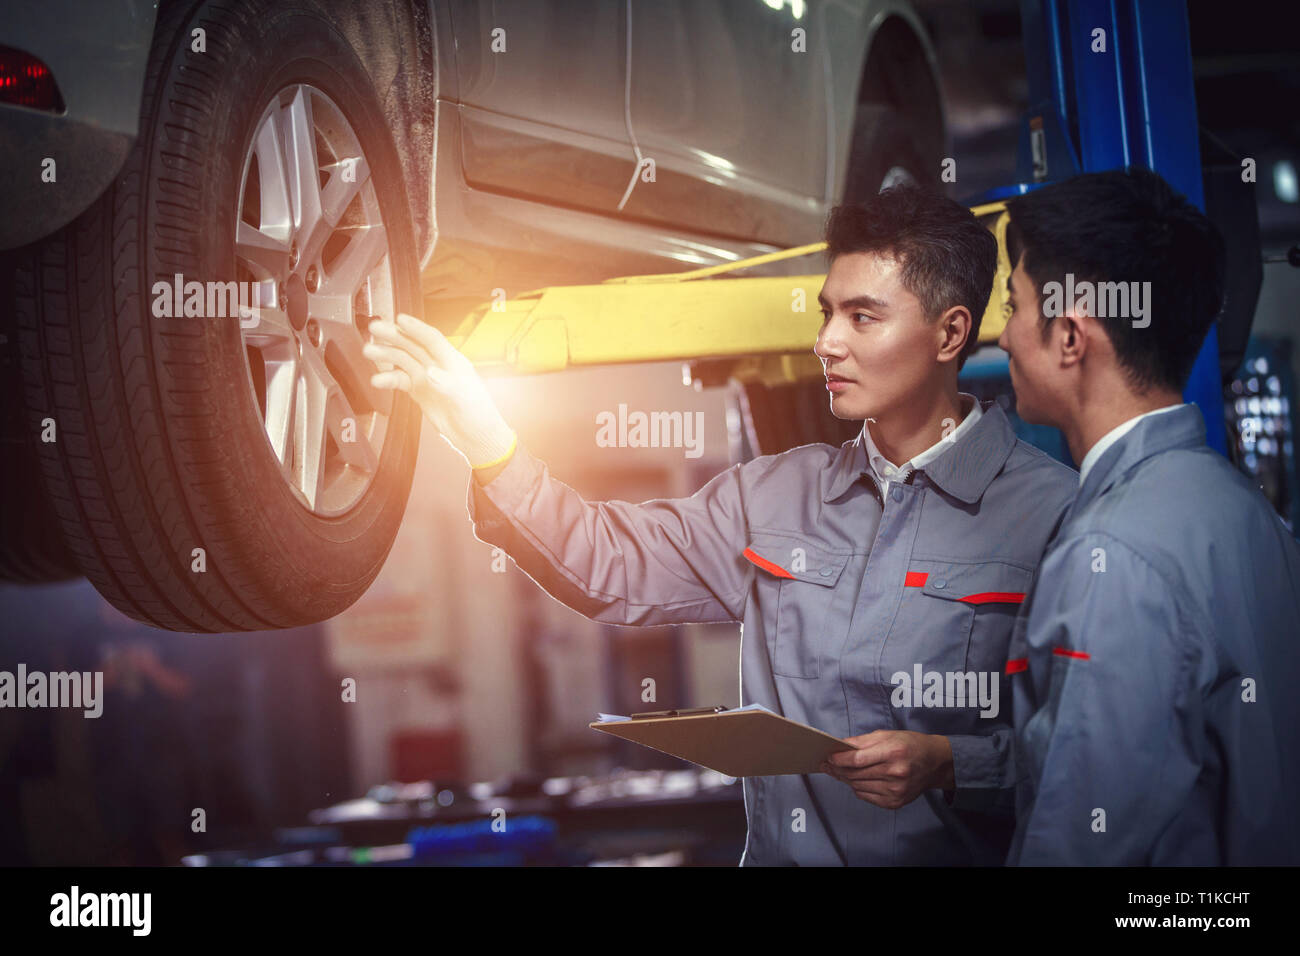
(747, 742)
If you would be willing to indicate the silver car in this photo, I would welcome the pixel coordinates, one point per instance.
(207, 202)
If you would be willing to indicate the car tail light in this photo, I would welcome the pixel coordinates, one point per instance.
(26, 81)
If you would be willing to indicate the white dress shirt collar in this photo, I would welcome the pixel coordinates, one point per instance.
(886, 471)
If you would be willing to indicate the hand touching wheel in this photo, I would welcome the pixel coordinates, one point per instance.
(446, 386)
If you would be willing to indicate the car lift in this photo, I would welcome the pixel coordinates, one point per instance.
(658, 318)
(1098, 100)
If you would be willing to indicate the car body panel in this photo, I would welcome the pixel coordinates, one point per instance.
(552, 217)
(727, 109)
(489, 241)
(532, 154)
(541, 93)
(99, 69)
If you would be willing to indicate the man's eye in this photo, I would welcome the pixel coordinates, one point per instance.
(861, 315)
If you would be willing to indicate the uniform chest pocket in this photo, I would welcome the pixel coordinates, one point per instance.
(797, 583)
(974, 604)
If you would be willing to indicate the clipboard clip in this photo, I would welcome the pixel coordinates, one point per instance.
(688, 712)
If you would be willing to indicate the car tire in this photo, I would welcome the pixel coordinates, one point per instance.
(780, 417)
(886, 149)
(31, 546)
(167, 485)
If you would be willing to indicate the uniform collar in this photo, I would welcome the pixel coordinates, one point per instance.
(964, 471)
(1112, 436)
(1180, 427)
(849, 465)
(886, 471)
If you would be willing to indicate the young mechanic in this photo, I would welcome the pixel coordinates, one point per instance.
(1156, 704)
(905, 549)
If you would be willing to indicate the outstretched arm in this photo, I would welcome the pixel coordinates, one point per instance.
(666, 561)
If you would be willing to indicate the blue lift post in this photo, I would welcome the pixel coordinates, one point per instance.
(1131, 104)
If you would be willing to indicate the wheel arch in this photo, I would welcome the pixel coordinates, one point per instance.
(397, 43)
(899, 69)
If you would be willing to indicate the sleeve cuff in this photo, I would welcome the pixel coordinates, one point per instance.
(981, 769)
(491, 505)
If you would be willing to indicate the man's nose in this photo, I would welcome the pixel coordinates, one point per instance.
(828, 342)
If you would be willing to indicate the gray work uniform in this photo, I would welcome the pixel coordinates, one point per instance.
(1157, 664)
(837, 591)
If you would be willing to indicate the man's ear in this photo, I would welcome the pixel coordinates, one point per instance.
(954, 329)
(1071, 336)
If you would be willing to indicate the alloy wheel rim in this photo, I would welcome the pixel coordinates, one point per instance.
(310, 235)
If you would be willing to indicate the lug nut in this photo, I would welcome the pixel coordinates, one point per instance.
(313, 279)
(313, 332)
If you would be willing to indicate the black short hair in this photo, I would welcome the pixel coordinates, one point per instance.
(947, 257)
(1128, 226)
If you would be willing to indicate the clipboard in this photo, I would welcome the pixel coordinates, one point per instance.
(747, 742)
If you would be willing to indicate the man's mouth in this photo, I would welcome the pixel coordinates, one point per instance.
(835, 383)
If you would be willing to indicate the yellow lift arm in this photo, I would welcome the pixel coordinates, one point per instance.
(755, 329)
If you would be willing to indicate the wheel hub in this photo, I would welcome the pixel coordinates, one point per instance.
(295, 302)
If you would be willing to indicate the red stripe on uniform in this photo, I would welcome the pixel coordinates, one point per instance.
(995, 597)
(767, 565)
(915, 579)
(1065, 652)
(1017, 665)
